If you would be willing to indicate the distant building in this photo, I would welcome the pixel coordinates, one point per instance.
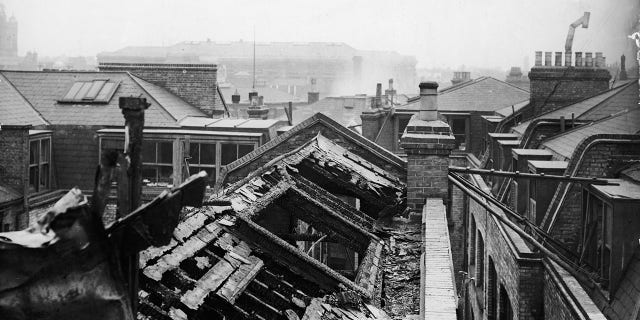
(516, 78)
(9, 58)
(286, 66)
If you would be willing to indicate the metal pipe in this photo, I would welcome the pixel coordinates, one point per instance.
(552, 256)
(519, 175)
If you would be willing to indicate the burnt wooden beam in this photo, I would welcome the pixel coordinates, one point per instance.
(304, 237)
(290, 256)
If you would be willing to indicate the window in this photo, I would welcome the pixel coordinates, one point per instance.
(479, 260)
(597, 234)
(231, 152)
(533, 196)
(492, 291)
(96, 91)
(39, 164)
(472, 244)
(203, 158)
(157, 162)
(506, 311)
(459, 128)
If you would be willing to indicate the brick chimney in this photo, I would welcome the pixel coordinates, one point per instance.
(390, 93)
(427, 142)
(555, 85)
(257, 110)
(460, 76)
(194, 83)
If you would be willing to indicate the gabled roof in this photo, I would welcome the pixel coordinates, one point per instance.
(482, 94)
(43, 90)
(14, 108)
(626, 122)
(293, 136)
(593, 108)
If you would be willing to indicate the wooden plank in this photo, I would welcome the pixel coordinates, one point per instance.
(314, 310)
(240, 279)
(209, 282)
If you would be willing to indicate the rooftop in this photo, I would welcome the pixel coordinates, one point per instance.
(626, 122)
(625, 190)
(482, 94)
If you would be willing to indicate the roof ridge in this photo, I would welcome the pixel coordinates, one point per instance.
(509, 84)
(38, 114)
(137, 80)
(318, 117)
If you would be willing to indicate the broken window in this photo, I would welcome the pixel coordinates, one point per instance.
(96, 91)
(203, 158)
(231, 152)
(157, 162)
(39, 164)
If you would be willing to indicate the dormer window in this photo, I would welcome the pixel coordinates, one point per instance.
(609, 232)
(96, 91)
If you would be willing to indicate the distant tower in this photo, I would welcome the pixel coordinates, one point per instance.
(8, 35)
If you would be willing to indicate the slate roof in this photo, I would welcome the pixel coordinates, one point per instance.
(624, 96)
(14, 108)
(43, 90)
(482, 94)
(626, 122)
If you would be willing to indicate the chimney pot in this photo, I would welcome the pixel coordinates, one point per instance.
(588, 59)
(378, 95)
(538, 59)
(567, 59)
(558, 59)
(428, 101)
(598, 60)
(578, 59)
(547, 59)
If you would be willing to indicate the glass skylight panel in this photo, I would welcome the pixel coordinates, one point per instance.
(95, 91)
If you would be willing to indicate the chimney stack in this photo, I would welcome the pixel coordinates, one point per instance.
(378, 95)
(623, 68)
(578, 59)
(252, 95)
(429, 101)
(390, 93)
(460, 76)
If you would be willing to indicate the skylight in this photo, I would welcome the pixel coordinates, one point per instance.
(96, 91)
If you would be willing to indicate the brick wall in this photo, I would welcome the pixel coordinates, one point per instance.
(555, 87)
(14, 157)
(75, 156)
(195, 83)
(519, 270)
(477, 133)
(457, 217)
(596, 161)
(426, 177)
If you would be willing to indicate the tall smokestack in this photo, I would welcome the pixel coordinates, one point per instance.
(429, 101)
(390, 93)
(313, 96)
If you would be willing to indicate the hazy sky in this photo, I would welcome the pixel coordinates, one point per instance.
(483, 33)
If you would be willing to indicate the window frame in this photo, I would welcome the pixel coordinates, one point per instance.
(40, 163)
